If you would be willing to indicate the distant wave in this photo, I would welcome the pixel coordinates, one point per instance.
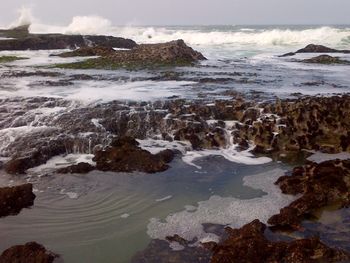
(270, 37)
(232, 36)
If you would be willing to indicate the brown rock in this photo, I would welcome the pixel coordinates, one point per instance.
(29, 253)
(80, 168)
(124, 155)
(321, 185)
(325, 59)
(14, 199)
(249, 245)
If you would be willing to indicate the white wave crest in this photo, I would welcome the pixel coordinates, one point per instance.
(25, 17)
(267, 37)
(89, 25)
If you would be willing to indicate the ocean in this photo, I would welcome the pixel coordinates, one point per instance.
(108, 217)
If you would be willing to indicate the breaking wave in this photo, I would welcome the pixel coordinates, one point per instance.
(234, 36)
(256, 37)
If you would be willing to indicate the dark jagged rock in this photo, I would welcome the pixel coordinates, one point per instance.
(249, 245)
(174, 53)
(59, 41)
(311, 48)
(89, 51)
(326, 59)
(124, 155)
(320, 185)
(14, 199)
(29, 253)
(80, 168)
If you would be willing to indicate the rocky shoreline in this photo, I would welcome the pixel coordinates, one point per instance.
(281, 129)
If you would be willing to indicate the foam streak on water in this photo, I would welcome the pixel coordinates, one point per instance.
(224, 211)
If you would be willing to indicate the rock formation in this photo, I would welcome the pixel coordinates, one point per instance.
(249, 245)
(174, 53)
(312, 48)
(326, 59)
(14, 199)
(320, 185)
(21, 39)
(124, 155)
(29, 253)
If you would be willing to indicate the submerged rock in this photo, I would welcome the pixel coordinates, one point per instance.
(124, 155)
(6, 59)
(320, 185)
(249, 244)
(325, 59)
(31, 252)
(174, 53)
(14, 199)
(312, 48)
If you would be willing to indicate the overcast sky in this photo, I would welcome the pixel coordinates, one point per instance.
(188, 12)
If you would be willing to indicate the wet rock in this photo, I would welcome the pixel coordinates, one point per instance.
(124, 155)
(249, 244)
(320, 185)
(326, 59)
(80, 168)
(89, 51)
(174, 53)
(59, 41)
(16, 32)
(37, 155)
(14, 199)
(311, 48)
(29, 253)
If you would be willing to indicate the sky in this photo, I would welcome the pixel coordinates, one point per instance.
(185, 12)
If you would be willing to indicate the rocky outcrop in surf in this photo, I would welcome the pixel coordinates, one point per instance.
(320, 185)
(326, 59)
(31, 252)
(14, 199)
(312, 48)
(174, 53)
(23, 40)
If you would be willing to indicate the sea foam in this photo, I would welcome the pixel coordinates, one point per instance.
(224, 211)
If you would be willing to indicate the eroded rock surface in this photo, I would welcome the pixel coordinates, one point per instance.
(320, 185)
(124, 155)
(174, 53)
(29, 253)
(326, 59)
(14, 199)
(281, 127)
